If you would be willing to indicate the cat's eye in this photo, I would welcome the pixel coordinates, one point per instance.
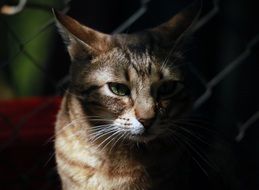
(167, 89)
(119, 89)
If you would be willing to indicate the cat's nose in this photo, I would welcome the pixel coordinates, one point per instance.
(147, 123)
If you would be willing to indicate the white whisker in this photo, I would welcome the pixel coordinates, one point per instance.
(73, 122)
(110, 139)
(117, 140)
(101, 134)
(192, 146)
(182, 142)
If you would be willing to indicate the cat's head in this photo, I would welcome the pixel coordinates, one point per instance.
(128, 85)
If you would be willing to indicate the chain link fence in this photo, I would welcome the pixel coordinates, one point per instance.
(223, 65)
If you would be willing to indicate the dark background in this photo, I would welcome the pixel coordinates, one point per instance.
(222, 62)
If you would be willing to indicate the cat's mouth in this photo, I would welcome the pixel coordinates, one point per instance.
(142, 134)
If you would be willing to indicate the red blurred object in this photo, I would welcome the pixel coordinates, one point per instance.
(26, 144)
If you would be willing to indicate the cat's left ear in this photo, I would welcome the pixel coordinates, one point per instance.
(82, 42)
(178, 27)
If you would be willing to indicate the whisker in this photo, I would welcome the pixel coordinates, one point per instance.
(49, 159)
(75, 134)
(94, 116)
(109, 139)
(99, 119)
(180, 141)
(126, 135)
(118, 139)
(200, 166)
(200, 121)
(112, 132)
(64, 128)
(192, 146)
(104, 126)
(197, 124)
(102, 134)
(194, 135)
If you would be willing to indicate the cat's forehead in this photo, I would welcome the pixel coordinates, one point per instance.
(126, 59)
(127, 55)
(132, 63)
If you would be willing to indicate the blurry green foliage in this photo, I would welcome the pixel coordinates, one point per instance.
(24, 73)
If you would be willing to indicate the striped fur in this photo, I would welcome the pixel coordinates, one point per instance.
(105, 141)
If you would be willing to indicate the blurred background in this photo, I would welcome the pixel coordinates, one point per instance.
(222, 63)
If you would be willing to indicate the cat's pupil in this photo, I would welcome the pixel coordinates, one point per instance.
(119, 89)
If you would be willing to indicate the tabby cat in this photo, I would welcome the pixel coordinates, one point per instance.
(115, 128)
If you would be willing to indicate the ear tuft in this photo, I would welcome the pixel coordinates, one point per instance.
(64, 34)
(82, 42)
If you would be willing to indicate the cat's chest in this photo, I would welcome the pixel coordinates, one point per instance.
(141, 170)
(125, 170)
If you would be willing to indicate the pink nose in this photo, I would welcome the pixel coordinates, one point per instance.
(147, 123)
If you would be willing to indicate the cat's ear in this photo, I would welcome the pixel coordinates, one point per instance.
(82, 42)
(178, 26)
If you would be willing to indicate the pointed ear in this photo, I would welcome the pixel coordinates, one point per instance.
(177, 27)
(82, 42)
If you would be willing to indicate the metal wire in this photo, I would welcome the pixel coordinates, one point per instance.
(201, 100)
(127, 23)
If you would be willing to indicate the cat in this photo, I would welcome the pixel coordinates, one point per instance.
(116, 126)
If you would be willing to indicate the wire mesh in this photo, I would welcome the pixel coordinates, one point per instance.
(208, 84)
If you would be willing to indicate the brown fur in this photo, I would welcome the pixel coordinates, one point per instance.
(123, 161)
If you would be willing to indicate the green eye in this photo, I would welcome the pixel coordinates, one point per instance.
(119, 89)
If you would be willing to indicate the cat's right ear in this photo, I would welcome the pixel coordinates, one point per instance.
(175, 30)
(82, 42)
